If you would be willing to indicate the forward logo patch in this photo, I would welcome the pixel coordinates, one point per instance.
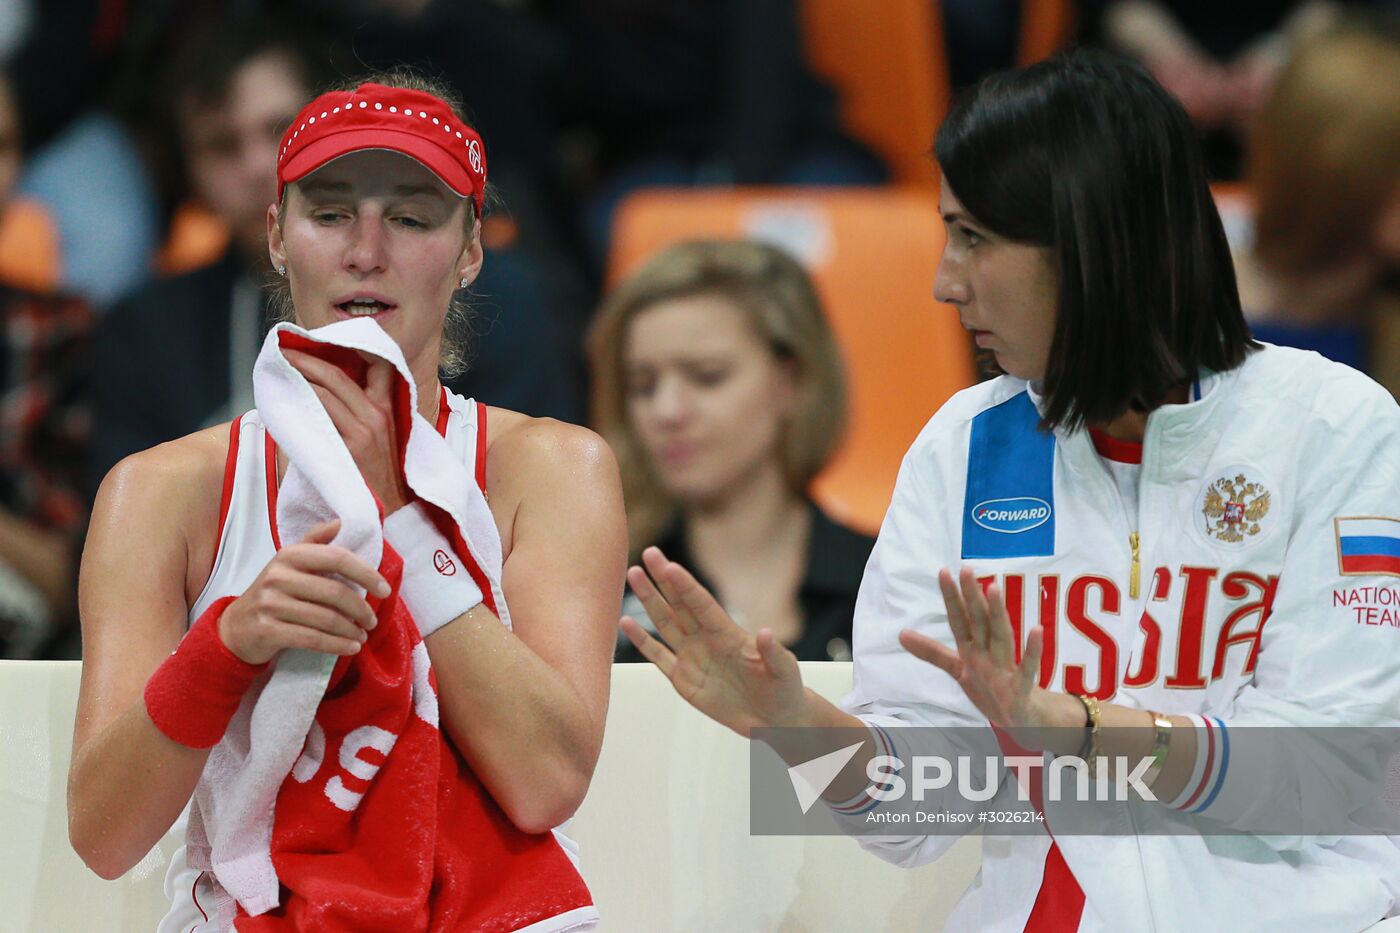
(1011, 516)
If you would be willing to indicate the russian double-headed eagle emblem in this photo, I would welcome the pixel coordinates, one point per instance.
(1234, 508)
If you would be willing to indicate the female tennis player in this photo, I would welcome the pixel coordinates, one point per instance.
(381, 187)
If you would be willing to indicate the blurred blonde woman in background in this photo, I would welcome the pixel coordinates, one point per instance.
(718, 383)
(1324, 168)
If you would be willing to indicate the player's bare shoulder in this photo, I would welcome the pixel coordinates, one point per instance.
(525, 448)
(165, 497)
(533, 459)
(179, 470)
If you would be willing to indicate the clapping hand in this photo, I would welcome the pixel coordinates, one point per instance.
(737, 678)
(984, 664)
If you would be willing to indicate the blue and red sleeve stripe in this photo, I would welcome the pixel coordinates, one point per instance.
(864, 802)
(1212, 764)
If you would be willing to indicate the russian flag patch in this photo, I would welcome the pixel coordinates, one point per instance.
(1368, 546)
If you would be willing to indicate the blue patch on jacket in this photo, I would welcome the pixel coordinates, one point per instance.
(1009, 505)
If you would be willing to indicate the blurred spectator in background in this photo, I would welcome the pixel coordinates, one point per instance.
(83, 164)
(1219, 59)
(178, 354)
(1324, 168)
(699, 92)
(719, 385)
(43, 429)
(29, 243)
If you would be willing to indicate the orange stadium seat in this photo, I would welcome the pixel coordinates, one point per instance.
(30, 249)
(872, 253)
(1046, 27)
(888, 63)
(197, 238)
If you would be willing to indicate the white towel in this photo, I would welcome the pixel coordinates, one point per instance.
(231, 820)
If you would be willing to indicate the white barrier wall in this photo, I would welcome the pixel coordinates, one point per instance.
(664, 831)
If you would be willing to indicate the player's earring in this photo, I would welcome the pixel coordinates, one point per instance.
(463, 283)
(282, 271)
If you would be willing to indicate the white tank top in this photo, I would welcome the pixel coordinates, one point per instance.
(247, 541)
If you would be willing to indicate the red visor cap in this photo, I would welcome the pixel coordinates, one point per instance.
(373, 116)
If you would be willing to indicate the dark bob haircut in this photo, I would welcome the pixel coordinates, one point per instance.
(1087, 155)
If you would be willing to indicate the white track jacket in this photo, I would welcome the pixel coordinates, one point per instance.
(1268, 593)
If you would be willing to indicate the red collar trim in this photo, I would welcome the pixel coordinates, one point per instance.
(1111, 448)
